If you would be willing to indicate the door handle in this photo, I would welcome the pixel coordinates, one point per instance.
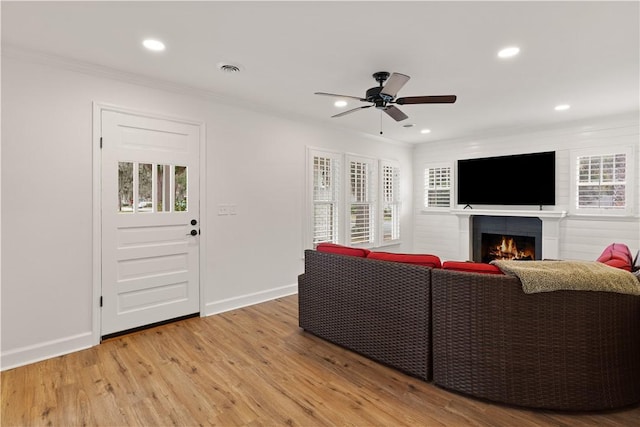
(193, 233)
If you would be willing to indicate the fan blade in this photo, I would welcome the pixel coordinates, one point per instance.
(344, 113)
(394, 84)
(395, 113)
(340, 96)
(439, 99)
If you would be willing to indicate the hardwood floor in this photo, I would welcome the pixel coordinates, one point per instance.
(248, 367)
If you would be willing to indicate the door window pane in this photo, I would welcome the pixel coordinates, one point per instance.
(180, 188)
(145, 201)
(125, 187)
(163, 188)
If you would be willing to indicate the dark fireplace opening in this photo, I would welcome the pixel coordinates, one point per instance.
(507, 247)
(522, 238)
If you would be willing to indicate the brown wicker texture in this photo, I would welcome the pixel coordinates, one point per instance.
(376, 308)
(568, 350)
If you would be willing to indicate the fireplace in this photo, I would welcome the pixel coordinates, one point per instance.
(504, 237)
(506, 247)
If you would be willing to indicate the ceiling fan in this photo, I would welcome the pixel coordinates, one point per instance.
(383, 96)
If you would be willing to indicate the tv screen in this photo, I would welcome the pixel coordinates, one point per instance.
(524, 179)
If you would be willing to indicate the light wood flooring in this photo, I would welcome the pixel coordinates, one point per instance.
(248, 367)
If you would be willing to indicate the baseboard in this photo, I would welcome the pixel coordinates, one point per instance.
(47, 350)
(41, 351)
(221, 306)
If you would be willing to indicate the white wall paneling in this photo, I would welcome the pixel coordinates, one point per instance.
(576, 237)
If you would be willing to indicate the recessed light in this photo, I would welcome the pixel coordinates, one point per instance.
(340, 103)
(425, 131)
(155, 45)
(409, 125)
(562, 107)
(508, 52)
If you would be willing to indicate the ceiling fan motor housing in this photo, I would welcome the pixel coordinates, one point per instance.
(374, 95)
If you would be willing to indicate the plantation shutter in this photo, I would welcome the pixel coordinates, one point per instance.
(362, 201)
(437, 184)
(326, 191)
(391, 203)
(601, 181)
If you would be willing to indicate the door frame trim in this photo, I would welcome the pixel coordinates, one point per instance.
(98, 108)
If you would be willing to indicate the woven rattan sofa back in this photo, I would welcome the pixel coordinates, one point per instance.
(568, 350)
(379, 309)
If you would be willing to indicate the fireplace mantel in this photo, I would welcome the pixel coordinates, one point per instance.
(510, 212)
(550, 228)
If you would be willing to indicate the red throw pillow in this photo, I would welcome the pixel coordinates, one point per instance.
(416, 259)
(471, 267)
(333, 248)
(618, 263)
(617, 255)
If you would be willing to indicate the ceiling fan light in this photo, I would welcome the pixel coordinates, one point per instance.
(509, 52)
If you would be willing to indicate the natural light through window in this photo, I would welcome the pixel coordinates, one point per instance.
(437, 187)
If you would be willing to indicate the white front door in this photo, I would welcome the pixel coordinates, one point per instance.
(150, 220)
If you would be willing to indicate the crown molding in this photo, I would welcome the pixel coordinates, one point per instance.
(20, 53)
(89, 68)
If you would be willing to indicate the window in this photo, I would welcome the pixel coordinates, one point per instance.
(145, 187)
(352, 200)
(437, 187)
(602, 181)
(390, 202)
(362, 191)
(326, 191)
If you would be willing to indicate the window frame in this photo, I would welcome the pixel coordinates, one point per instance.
(337, 231)
(426, 188)
(343, 201)
(629, 183)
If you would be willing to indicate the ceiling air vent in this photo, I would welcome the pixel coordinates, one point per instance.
(229, 68)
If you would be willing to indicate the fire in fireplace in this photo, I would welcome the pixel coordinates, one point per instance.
(501, 247)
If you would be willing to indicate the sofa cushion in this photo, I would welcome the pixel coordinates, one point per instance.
(618, 263)
(617, 255)
(471, 267)
(417, 259)
(342, 250)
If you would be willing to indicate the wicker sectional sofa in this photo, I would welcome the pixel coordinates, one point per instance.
(478, 334)
(354, 302)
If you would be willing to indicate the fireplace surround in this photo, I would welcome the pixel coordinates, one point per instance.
(499, 237)
(550, 234)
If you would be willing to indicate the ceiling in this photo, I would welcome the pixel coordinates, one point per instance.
(586, 54)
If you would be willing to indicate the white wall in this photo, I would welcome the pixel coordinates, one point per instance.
(47, 191)
(581, 237)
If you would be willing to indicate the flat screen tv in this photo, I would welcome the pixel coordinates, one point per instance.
(523, 179)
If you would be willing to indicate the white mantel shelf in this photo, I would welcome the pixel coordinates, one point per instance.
(550, 228)
(510, 212)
